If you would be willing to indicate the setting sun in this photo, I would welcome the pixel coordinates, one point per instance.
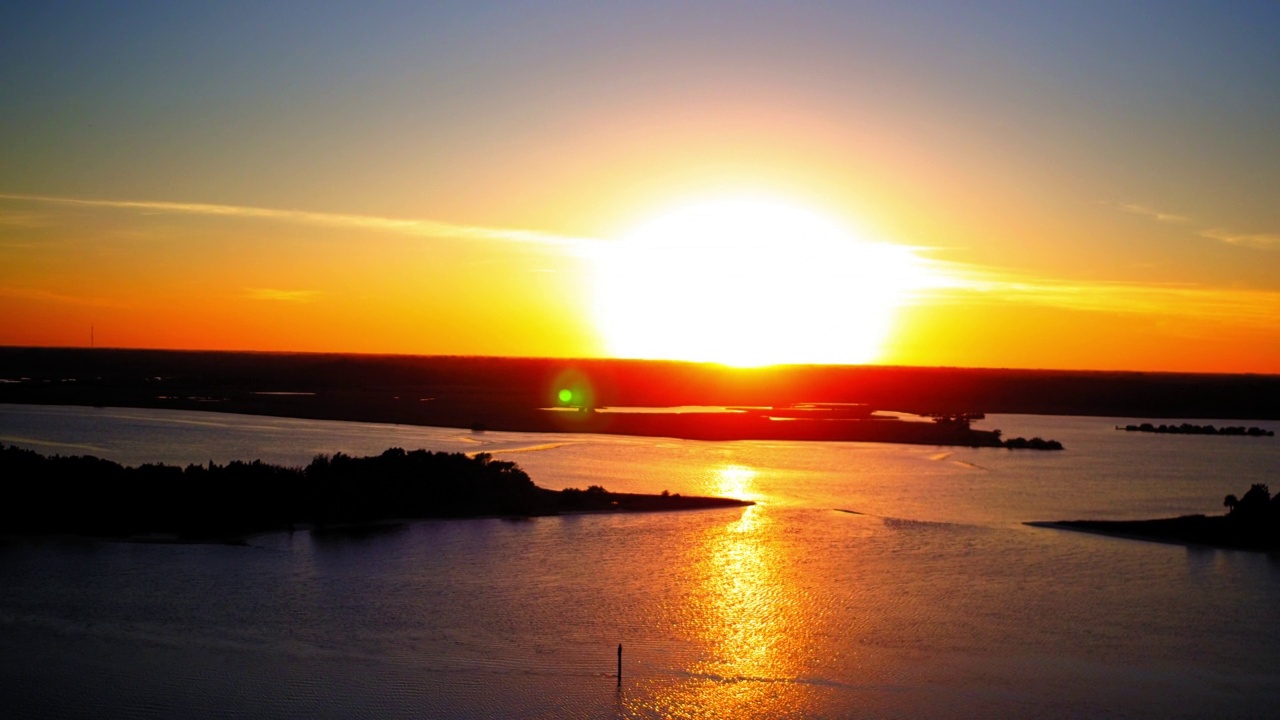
(747, 282)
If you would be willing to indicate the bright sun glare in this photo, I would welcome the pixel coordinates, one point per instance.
(748, 282)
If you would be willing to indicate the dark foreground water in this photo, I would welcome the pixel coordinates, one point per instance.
(935, 601)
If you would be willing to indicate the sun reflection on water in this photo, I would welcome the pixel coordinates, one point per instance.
(745, 615)
(735, 481)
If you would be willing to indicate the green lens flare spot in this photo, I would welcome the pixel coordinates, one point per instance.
(565, 395)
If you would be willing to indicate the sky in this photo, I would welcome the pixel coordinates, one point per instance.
(1083, 185)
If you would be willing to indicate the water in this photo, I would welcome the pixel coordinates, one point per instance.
(935, 601)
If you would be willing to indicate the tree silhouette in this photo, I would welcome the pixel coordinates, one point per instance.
(1254, 503)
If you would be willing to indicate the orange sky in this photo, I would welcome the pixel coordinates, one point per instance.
(1071, 187)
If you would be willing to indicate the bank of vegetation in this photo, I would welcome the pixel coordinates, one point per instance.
(1035, 443)
(92, 496)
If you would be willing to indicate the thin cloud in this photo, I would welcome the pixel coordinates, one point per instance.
(1153, 213)
(277, 295)
(24, 220)
(1257, 241)
(1260, 241)
(419, 228)
(47, 296)
(1235, 306)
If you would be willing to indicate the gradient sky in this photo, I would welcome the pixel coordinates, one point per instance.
(1097, 182)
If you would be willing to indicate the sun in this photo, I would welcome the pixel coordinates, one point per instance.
(750, 281)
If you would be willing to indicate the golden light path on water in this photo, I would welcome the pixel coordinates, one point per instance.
(741, 608)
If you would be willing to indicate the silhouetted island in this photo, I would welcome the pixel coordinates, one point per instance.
(86, 495)
(1035, 443)
(1189, 429)
(1252, 522)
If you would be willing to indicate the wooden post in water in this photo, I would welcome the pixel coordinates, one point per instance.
(619, 664)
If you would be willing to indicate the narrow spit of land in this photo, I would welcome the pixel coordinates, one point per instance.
(84, 495)
(1251, 523)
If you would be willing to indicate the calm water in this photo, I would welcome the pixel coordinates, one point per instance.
(935, 601)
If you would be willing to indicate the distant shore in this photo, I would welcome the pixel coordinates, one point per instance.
(496, 392)
(792, 403)
(785, 403)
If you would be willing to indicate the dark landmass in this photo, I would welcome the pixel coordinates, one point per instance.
(1035, 443)
(89, 496)
(510, 393)
(1189, 429)
(774, 423)
(1252, 523)
(464, 390)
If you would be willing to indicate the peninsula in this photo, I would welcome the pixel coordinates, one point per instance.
(84, 495)
(1252, 522)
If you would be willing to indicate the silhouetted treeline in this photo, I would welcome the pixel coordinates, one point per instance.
(82, 494)
(1255, 506)
(1252, 522)
(1035, 443)
(1189, 429)
(90, 496)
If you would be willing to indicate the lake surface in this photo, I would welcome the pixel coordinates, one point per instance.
(933, 601)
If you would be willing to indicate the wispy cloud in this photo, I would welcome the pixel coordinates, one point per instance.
(1257, 241)
(1260, 241)
(24, 220)
(19, 293)
(1153, 213)
(1256, 308)
(419, 228)
(277, 295)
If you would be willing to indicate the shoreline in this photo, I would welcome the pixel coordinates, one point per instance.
(636, 503)
(1217, 532)
(820, 403)
(357, 530)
